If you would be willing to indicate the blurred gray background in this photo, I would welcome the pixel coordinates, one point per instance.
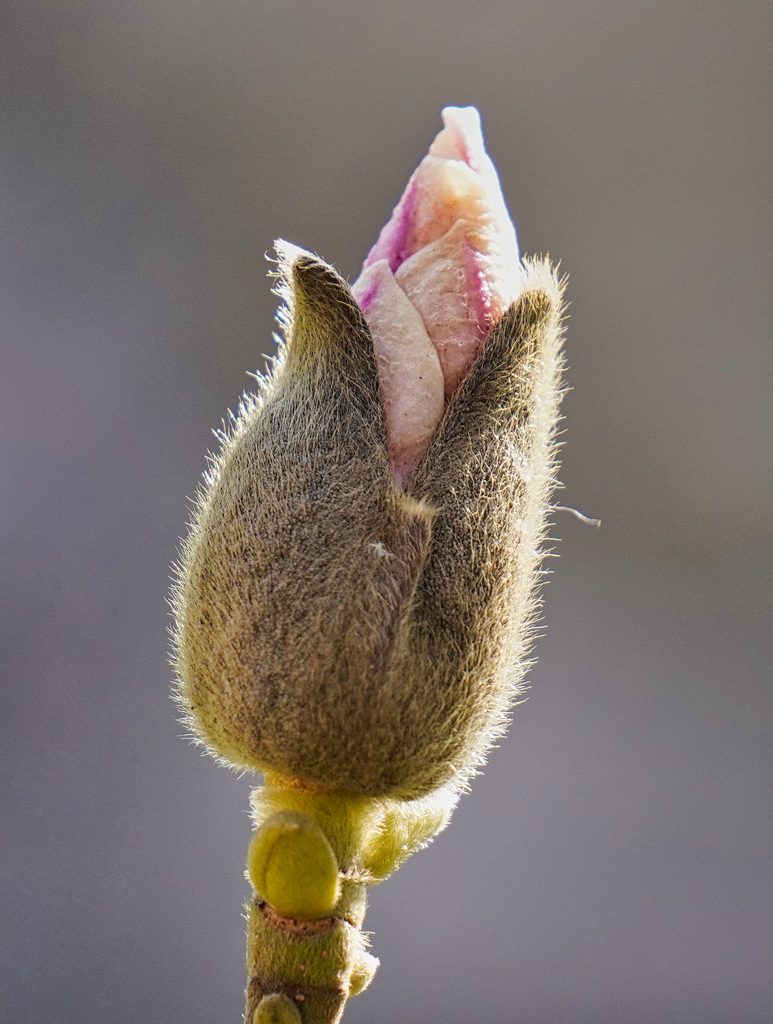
(614, 863)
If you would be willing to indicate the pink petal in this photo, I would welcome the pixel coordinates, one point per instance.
(456, 180)
(409, 370)
(443, 282)
(443, 270)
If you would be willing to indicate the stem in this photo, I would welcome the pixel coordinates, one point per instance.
(304, 968)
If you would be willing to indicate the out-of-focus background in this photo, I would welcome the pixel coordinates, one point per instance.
(614, 865)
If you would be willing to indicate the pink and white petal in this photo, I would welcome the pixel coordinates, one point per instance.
(446, 191)
(438, 194)
(443, 282)
(410, 374)
(462, 139)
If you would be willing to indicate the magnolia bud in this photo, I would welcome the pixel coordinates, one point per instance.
(353, 622)
(356, 594)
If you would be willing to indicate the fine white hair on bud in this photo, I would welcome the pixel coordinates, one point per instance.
(301, 649)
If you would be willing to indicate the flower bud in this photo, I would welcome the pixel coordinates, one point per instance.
(356, 592)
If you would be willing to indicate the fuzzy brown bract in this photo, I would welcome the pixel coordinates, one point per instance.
(334, 628)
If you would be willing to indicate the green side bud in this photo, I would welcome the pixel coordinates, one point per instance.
(292, 866)
(363, 971)
(406, 826)
(276, 1009)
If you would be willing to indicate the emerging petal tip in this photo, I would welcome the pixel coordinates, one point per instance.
(451, 249)
(461, 137)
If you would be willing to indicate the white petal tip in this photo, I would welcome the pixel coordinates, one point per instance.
(461, 137)
(466, 119)
(289, 253)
